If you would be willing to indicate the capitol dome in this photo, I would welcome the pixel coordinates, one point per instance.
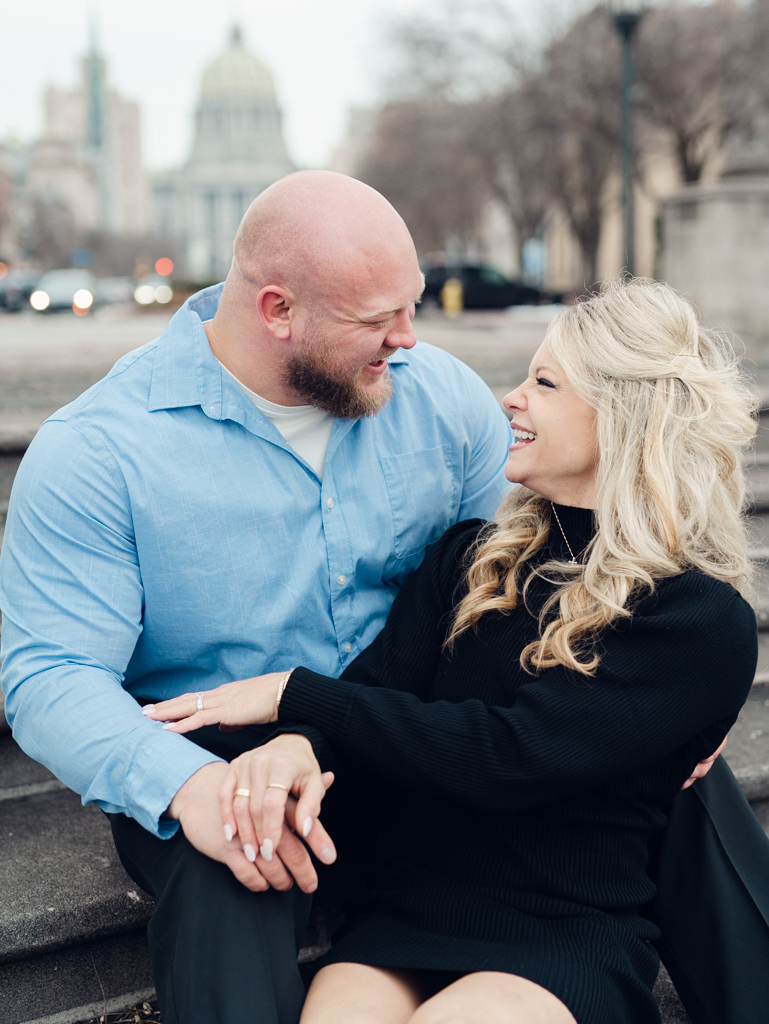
(236, 72)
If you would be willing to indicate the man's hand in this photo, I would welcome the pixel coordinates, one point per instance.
(196, 808)
(704, 767)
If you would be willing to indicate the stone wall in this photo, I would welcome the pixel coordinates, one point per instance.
(716, 251)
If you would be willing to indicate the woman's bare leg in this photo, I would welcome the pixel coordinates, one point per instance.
(490, 997)
(358, 994)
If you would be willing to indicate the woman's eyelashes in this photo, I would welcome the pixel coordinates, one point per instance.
(545, 382)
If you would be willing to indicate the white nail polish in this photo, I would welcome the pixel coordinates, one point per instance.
(250, 852)
(266, 849)
(148, 709)
(228, 833)
(307, 827)
(167, 725)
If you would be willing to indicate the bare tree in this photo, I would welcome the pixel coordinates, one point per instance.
(512, 147)
(419, 160)
(695, 70)
(478, 116)
(579, 111)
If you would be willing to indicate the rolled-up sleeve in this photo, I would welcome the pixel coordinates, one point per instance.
(72, 602)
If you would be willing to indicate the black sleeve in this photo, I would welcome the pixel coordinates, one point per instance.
(229, 745)
(684, 661)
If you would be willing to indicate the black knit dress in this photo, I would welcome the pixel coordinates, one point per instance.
(515, 838)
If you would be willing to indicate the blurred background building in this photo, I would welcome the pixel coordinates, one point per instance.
(83, 180)
(238, 151)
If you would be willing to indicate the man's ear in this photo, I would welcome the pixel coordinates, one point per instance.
(274, 306)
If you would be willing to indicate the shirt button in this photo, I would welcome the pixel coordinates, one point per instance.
(330, 503)
(347, 648)
(341, 580)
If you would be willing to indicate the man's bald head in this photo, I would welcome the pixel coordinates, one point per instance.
(321, 293)
(314, 232)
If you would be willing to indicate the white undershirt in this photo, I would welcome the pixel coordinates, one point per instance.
(305, 428)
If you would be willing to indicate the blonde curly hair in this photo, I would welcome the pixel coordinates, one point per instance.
(674, 417)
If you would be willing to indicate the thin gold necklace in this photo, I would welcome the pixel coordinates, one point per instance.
(573, 559)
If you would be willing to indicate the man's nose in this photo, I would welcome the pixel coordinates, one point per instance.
(401, 333)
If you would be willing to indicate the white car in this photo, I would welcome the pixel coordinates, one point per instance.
(64, 289)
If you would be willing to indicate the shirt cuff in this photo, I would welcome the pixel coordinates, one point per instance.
(158, 771)
(318, 700)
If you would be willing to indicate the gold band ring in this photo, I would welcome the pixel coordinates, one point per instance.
(277, 785)
(243, 792)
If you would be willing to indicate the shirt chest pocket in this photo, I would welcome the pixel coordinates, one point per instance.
(424, 495)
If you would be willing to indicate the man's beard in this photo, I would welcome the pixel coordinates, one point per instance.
(347, 398)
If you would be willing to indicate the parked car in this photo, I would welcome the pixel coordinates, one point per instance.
(64, 289)
(483, 287)
(16, 288)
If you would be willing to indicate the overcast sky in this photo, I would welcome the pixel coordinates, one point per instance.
(325, 55)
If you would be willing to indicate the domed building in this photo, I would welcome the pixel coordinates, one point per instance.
(238, 151)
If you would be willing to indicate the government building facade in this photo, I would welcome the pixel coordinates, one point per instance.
(239, 150)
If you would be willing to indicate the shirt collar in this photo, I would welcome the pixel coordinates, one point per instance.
(185, 371)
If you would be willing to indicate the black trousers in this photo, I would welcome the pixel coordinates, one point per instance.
(224, 955)
(220, 953)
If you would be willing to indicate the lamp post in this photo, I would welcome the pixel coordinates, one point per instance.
(626, 15)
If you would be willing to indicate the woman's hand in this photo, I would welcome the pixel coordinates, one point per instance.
(233, 705)
(283, 781)
(704, 767)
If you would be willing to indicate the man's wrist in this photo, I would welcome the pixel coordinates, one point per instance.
(188, 791)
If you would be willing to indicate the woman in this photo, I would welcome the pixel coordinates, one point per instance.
(543, 687)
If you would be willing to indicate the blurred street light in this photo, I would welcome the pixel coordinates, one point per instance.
(39, 300)
(164, 266)
(626, 15)
(145, 294)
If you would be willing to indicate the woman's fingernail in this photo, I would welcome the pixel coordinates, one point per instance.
(168, 725)
(250, 852)
(228, 833)
(266, 849)
(148, 709)
(327, 854)
(307, 827)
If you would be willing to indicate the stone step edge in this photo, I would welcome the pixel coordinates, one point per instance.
(30, 789)
(114, 1005)
(753, 781)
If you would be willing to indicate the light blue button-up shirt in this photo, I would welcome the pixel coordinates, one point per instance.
(162, 537)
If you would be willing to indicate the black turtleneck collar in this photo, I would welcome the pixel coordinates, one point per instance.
(579, 527)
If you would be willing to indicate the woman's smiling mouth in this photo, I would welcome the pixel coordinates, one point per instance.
(521, 437)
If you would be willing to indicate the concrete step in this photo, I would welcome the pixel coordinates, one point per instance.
(748, 748)
(78, 983)
(72, 923)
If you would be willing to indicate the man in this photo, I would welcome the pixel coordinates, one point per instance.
(247, 492)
